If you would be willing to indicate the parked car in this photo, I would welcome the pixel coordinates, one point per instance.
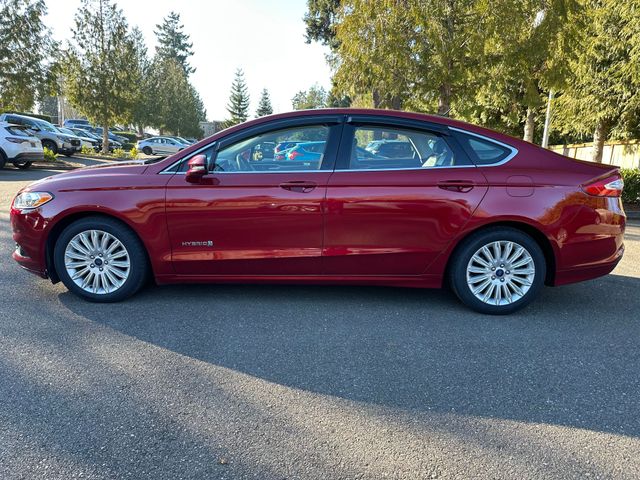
(48, 134)
(306, 151)
(19, 146)
(112, 136)
(160, 146)
(494, 217)
(76, 122)
(113, 145)
(184, 141)
(85, 139)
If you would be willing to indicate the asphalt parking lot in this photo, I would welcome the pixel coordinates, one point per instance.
(308, 382)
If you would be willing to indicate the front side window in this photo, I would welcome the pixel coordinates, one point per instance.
(292, 149)
(388, 148)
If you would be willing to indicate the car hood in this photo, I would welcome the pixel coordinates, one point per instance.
(91, 177)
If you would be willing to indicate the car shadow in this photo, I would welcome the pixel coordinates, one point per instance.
(571, 358)
(12, 174)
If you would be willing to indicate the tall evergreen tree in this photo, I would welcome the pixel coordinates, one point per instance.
(97, 80)
(321, 20)
(238, 106)
(173, 42)
(602, 93)
(264, 106)
(26, 50)
(144, 106)
(179, 108)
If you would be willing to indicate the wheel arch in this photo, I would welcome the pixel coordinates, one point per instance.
(536, 233)
(64, 222)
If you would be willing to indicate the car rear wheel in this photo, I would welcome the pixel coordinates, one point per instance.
(50, 145)
(498, 271)
(22, 165)
(100, 259)
(3, 159)
(147, 151)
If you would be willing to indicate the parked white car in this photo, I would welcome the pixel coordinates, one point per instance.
(19, 146)
(160, 146)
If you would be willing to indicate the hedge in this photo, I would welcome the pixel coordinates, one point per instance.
(631, 190)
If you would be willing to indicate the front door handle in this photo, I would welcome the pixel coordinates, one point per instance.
(462, 186)
(301, 186)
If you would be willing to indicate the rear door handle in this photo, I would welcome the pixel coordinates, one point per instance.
(462, 186)
(301, 186)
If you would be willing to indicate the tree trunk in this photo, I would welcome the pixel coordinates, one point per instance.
(105, 138)
(529, 125)
(377, 101)
(444, 100)
(599, 137)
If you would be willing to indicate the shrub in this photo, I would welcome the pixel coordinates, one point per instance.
(119, 153)
(631, 190)
(128, 146)
(49, 156)
(87, 150)
(133, 153)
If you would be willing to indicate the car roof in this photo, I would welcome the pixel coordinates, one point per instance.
(38, 120)
(423, 117)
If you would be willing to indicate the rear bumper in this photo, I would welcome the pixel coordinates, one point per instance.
(580, 274)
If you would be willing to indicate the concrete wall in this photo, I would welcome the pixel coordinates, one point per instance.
(622, 154)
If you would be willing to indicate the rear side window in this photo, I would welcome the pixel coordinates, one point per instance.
(486, 152)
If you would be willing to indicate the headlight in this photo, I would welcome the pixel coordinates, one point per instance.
(62, 139)
(31, 199)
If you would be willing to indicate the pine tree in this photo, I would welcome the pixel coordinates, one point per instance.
(26, 50)
(179, 107)
(264, 107)
(144, 106)
(173, 42)
(602, 94)
(238, 106)
(97, 81)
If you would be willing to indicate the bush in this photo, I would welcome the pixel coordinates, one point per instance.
(133, 153)
(87, 150)
(631, 190)
(128, 146)
(49, 156)
(119, 153)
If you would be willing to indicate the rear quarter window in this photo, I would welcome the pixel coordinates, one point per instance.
(486, 152)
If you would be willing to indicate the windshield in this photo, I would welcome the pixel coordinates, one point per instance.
(65, 130)
(47, 127)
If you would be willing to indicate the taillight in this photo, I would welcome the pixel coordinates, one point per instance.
(610, 186)
(294, 154)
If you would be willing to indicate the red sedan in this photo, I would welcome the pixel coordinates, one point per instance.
(389, 198)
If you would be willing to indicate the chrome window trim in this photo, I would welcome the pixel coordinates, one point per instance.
(514, 150)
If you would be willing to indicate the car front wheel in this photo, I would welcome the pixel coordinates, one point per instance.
(22, 165)
(147, 151)
(100, 259)
(498, 270)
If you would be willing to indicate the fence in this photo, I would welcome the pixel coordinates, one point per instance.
(621, 154)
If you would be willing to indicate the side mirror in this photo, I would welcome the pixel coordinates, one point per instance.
(197, 169)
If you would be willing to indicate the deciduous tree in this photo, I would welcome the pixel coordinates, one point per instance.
(315, 97)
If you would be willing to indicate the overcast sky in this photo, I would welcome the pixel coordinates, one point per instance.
(265, 38)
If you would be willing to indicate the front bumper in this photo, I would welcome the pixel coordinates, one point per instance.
(28, 157)
(29, 233)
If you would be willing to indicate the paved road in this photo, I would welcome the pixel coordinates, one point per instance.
(275, 382)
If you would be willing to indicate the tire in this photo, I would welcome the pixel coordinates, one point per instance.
(50, 145)
(69, 154)
(147, 151)
(506, 289)
(22, 165)
(127, 280)
(3, 159)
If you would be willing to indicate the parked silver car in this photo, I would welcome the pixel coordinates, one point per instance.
(160, 146)
(49, 135)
